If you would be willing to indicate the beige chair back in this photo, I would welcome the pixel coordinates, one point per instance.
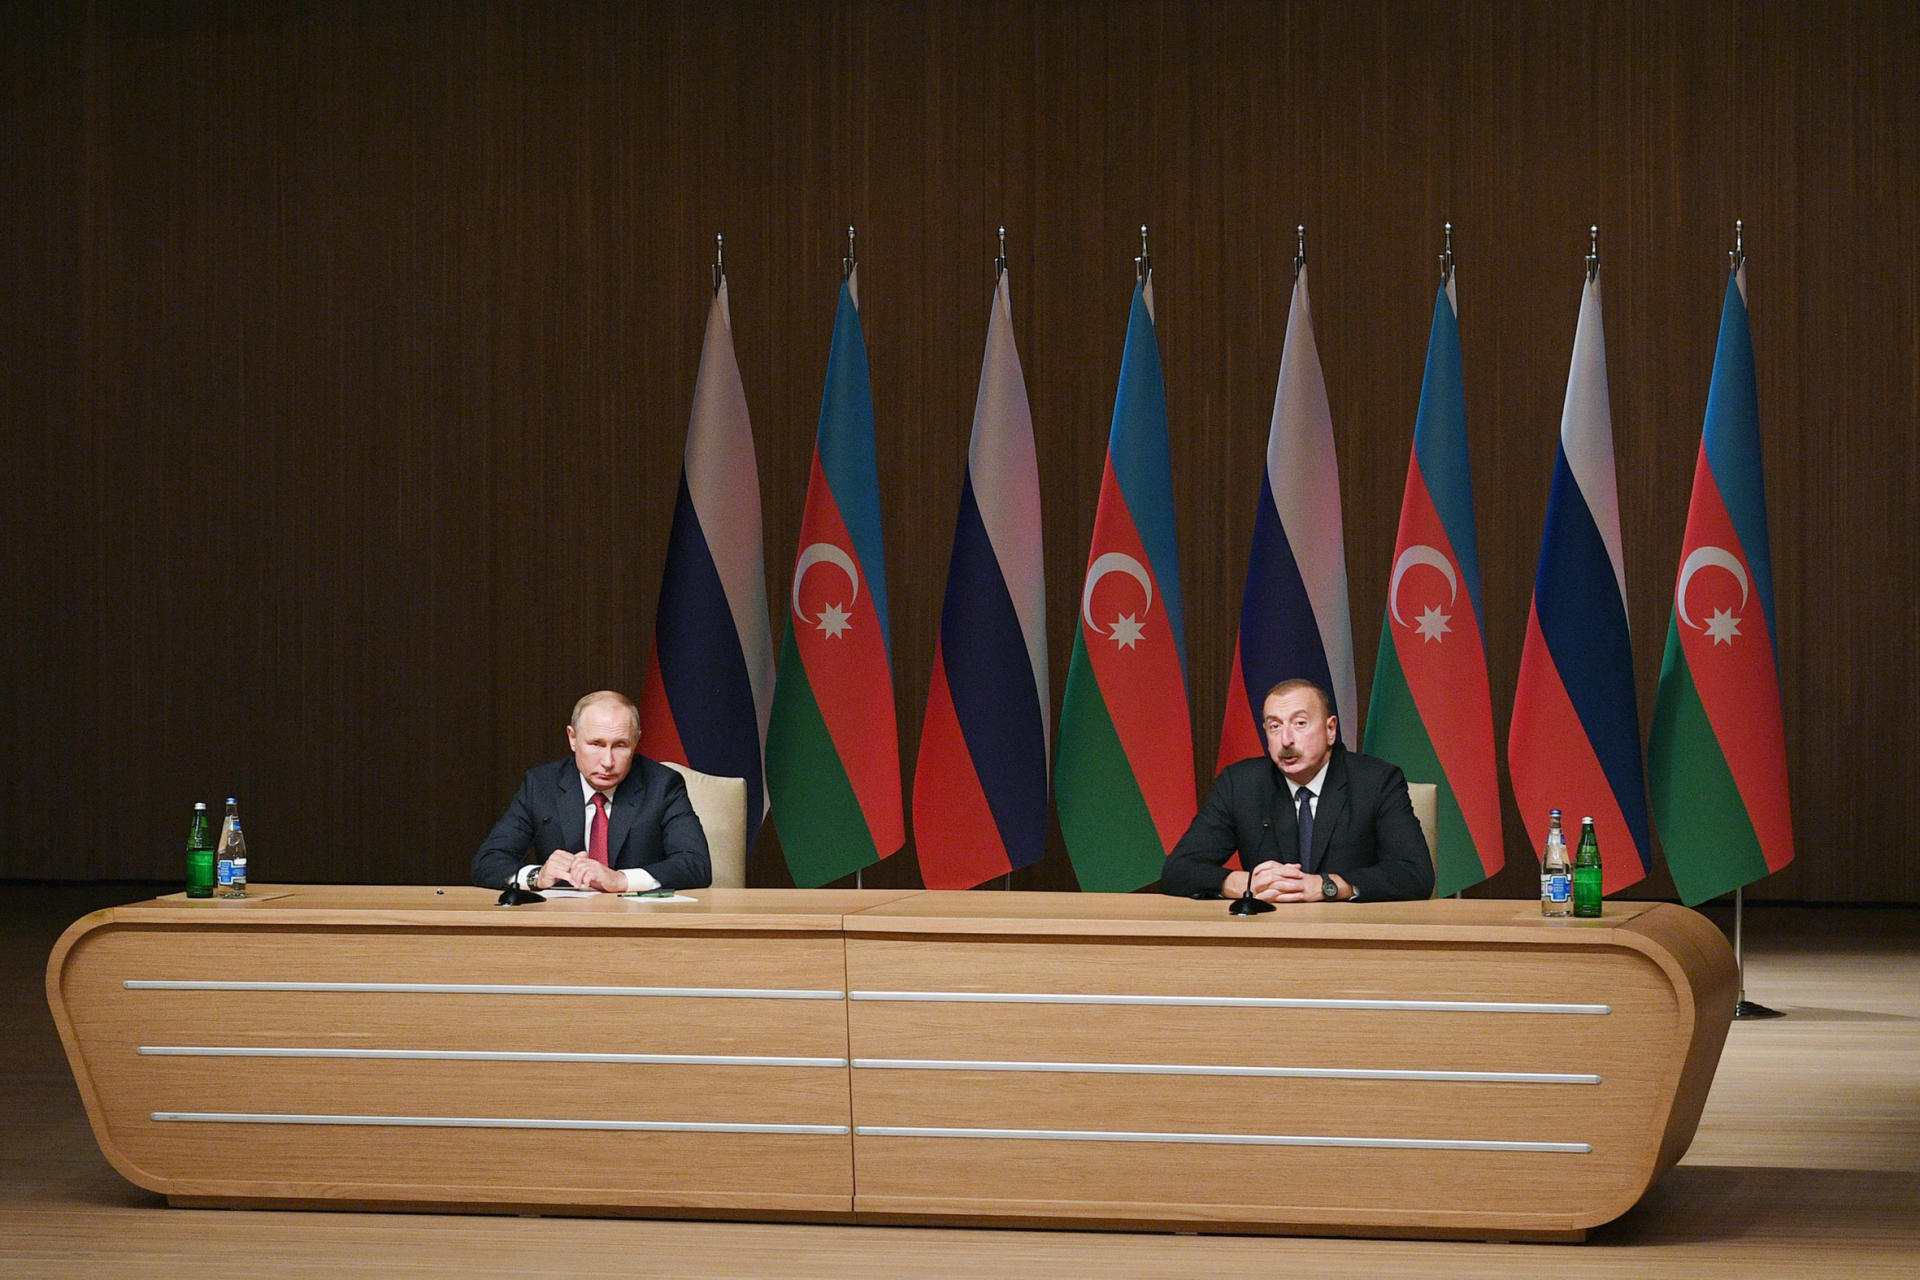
(1426, 807)
(721, 804)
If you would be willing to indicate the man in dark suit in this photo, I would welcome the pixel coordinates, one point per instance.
(607, 819)
(1362, 838)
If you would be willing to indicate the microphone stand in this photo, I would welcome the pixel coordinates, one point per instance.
(1246, 904)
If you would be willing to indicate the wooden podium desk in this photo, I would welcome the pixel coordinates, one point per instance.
(1458, 1068)
(357, 1047)
(1453, 1068)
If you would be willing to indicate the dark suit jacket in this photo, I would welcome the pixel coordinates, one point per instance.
(651, 826)
(1363, 828)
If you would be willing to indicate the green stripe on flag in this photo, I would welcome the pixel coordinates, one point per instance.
(1709, 840)
(1396, 732)
(822, 830)
(1109, 831)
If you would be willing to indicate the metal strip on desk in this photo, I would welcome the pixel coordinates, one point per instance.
(486, 989)
(1230, 1002)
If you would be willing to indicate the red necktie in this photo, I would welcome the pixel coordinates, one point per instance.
(597, 837)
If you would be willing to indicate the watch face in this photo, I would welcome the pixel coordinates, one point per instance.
(1328, 888)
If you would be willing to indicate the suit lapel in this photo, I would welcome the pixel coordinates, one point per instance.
(1282, 824)
(570, 809)
(626, 804)
(1329, 808)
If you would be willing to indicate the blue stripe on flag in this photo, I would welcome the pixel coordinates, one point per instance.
(1440, 442)
(995, 697)
(845, 441)
(1143, 462)
(1584, 624)
(1279, 639)
(702, 666)
(1732, 442)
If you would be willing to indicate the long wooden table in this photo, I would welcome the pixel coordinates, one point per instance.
(1458, 1068)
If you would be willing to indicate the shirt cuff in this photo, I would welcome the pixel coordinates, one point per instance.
(639, 881)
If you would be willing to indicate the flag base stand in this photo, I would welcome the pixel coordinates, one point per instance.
(1745, 1010)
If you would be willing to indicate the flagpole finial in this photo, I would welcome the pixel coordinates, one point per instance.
(852, 260)
(719, 262)
(1299, 248)
(1738, 258)
(1446, 254)
(1593, 253)
(1000, 263)
(1143, 265)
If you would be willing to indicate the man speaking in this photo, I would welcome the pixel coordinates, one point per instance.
(1312, 821)
(607, 819)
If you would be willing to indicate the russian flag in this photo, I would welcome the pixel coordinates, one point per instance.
(1574, 744)
(1293, 615)
(1123, 778)
(980, 785)
(709, 682)
(833, 743)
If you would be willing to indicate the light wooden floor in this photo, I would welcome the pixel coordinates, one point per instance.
(1807, 1165)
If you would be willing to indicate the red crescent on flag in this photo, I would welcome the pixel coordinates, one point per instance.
(1420, 554)
(1113, 562)
(827, 553)
(1701, 558)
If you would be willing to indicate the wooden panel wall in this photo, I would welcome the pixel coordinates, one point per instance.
(348, 351)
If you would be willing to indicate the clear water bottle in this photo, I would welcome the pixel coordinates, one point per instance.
(1556, 873)
(232, 859)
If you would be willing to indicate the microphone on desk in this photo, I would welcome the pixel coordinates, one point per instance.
(1246, 904)
(513, 895)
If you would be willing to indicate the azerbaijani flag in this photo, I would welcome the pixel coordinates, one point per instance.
(980, 786)
(1123, 778)
(1717, 759)
(709, 682)
(1293, 615)
(833, 745)
(1431, 710)
(1574, 744)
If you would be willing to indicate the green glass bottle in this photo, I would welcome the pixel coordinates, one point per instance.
(1586, 874)
(200, 854)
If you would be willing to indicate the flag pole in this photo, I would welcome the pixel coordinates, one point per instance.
(1593, 253)
(1446, 255)
(1300, 248)
(999, 270)
(1143, 265)
(719, 262)
(847, 264)
(1743, 1008)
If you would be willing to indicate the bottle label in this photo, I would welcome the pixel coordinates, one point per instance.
(226, 871)
(1556, 888)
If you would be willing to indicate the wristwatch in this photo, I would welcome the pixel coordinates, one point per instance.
(1329, 889)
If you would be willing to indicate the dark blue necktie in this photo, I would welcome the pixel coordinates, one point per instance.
(1305, 797)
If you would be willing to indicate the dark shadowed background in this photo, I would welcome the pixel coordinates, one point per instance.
(348, 348)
